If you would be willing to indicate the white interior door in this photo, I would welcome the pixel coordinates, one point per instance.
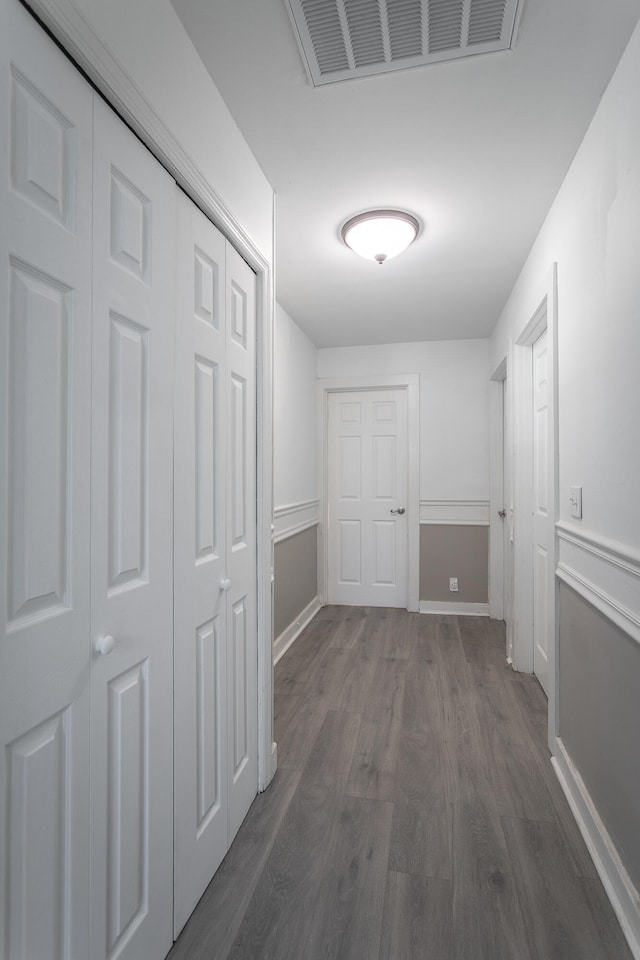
(132, 562)
(45, 403)
(507, 529)
(216, 650)
(542, 519)
(241, 612)
(201, 808)
(367, 498)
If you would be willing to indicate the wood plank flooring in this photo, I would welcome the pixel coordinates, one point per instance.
(415, 813)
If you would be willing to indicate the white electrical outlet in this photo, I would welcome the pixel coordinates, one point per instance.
(453, 584)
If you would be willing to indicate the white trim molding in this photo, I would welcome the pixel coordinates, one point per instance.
(604, 572)
(614, 552)
(460, 513)
(624, 897)
(294, 518)
(455, 609)
(498, 495)
(293, 631)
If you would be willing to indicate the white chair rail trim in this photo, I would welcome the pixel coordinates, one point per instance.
(604, 572)
(463, 513)
(613, 551)
(293, 518)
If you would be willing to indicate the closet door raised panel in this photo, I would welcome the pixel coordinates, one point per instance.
(241, 539)
(45, 369)
(131, 522)
(201, 831)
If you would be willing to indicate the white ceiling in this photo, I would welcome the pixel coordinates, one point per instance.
(477, 148)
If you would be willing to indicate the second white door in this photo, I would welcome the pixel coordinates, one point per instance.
(131, 547)
(367, 498)
(215, 554)
(542, 518)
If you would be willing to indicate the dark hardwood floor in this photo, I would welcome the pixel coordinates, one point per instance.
(415, 812)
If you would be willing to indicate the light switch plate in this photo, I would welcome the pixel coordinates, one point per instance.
(575, 499)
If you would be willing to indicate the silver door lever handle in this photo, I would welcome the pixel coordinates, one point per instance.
(400, 510)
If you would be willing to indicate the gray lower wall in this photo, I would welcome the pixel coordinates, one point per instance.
(449, 550)
(295, 577)
(599, 702)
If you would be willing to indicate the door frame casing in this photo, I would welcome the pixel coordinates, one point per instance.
(87, 50)
(499, 498)
(542, 317)
(411, 383)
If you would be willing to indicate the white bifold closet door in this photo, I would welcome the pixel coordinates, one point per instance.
(131, 547)
(86, 648)
(45, 410)
(88, 265)
(215, 553)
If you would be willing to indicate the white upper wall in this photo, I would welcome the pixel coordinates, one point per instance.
(593, 233)
(148, 40)
(454, 407)
(295, 461)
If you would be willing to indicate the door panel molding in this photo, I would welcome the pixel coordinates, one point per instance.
(543, 316)
(200, 562)
(45, 458)
(76, 36)
(410, 383)
(131, 545)
(366, 484)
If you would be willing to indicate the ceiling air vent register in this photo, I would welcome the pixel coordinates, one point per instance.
(341, 39)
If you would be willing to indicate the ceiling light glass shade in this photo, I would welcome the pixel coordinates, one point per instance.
(380, 234)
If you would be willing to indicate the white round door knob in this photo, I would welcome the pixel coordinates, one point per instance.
(104, 646)
(225, 584)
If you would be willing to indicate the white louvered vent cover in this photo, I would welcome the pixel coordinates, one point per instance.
(341, 39)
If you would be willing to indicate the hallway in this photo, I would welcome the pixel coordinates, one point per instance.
(415, 813)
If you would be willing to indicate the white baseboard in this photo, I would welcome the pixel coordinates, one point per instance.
(274, 759)
(455, 609)
(624, 897)
(292, 632)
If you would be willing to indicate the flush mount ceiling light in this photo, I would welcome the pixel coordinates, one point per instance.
(380, 234)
